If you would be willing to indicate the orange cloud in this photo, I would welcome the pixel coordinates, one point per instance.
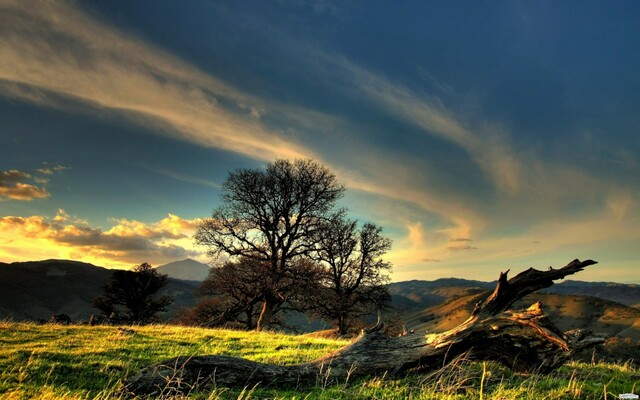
(12, 187)
(127, 242)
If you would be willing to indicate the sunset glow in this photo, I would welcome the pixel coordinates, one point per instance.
(480, 139)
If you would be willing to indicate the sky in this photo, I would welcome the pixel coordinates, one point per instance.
(482, 136)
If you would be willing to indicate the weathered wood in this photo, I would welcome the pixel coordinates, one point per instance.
(524, 340)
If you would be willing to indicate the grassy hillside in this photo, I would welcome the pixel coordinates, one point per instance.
(81, 362)
(567, 312)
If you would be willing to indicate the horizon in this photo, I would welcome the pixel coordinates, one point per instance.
(564, 280)
(480, 138)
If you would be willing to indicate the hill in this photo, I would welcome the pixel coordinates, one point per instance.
(186, 270)
(566, 311)
(627, 294)
(35, 290)
(414, 294)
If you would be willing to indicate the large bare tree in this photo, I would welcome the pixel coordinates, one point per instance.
(271, 216)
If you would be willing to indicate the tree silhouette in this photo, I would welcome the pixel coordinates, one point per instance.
(128, 297)
(354, 275)
(271, 218)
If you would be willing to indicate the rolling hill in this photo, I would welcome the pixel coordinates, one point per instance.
(35, 290)
(445, 303)
(566, 311)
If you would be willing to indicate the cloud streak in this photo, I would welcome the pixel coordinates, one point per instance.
(55, 49)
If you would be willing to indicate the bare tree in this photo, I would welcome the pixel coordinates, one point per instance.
(355, 271)
(271, 217)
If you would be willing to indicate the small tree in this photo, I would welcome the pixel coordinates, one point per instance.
(355, 271)
(129, 295)
(271, 218)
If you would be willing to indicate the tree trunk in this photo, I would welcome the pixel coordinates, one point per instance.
(265, 314)
(249, 314)
(342, 325)
(525, 341)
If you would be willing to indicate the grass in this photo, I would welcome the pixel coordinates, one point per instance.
(81, 362)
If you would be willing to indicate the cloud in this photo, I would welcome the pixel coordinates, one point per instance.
(184, 178)
(485, 143)
(13, 176)
(105, 68)
(61, 216)
(127, 242)
(12, 187)
(461, 247)
(52, 170)
(57, 50)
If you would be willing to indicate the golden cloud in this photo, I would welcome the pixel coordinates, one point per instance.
(23, 191)
(12, 187)
(126, 243)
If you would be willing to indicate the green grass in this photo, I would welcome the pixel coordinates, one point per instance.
(81, 362)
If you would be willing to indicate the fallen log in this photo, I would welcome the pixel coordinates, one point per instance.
(525, 341)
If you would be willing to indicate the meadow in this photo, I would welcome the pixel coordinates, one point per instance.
(82, 362)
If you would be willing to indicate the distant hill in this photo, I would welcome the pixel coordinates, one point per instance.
(445, 303)
(627, 294)
(187, 270)
(566, 311)
(415, 294)
(37, 289)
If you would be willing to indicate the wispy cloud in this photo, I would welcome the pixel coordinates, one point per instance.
(486, 143)
(461, 247)
(56, 49)
(50, 170)
(184, 178)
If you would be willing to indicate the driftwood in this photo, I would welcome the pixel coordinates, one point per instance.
(525, 341)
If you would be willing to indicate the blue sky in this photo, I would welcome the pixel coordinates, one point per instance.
(482, 136)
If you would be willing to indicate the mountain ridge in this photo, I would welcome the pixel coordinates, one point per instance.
(186, 270)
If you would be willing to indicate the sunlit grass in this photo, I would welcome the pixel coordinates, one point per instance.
(81, 362)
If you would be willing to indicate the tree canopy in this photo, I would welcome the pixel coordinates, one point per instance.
(289, 244)
(129, 296)
(272, 216)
